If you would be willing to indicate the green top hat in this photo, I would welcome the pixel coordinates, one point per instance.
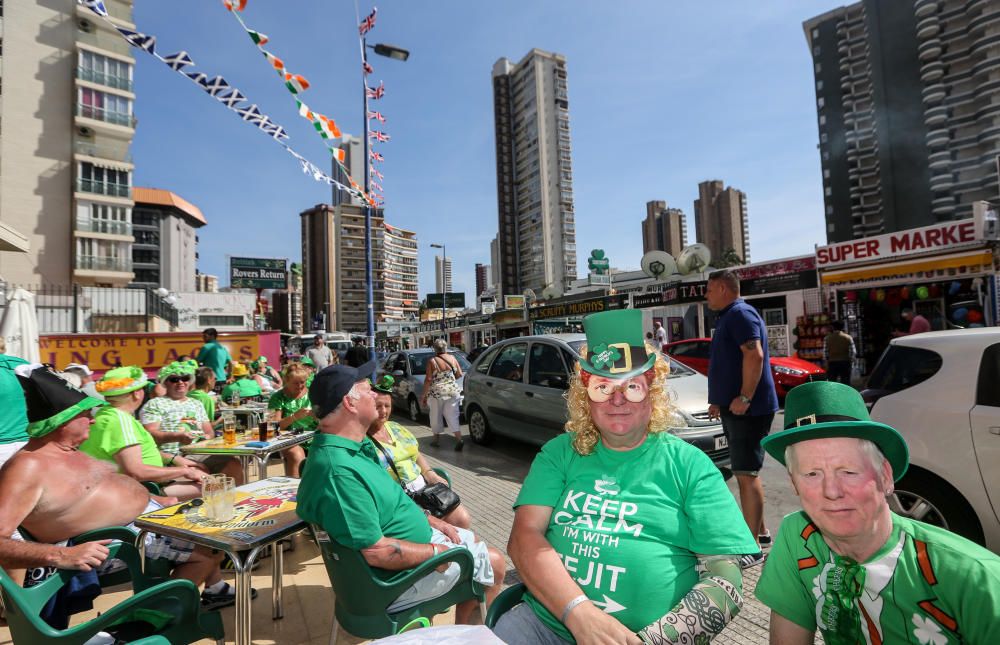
(122, 380)
(384, 384)
(615, 346)
(51, 400)
(826, 409)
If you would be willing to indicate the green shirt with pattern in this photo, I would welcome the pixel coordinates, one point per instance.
(404, 449)
(182, 415)
(289, 406)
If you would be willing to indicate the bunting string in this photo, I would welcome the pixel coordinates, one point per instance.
(222, 91)
(371, 94)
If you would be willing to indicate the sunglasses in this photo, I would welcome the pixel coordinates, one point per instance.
(635, 390)
(177, 379)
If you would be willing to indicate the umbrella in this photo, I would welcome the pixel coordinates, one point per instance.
(19, 326)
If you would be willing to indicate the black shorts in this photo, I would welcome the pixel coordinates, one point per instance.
(745, 434)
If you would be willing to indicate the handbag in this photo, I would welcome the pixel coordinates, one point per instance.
(437, 499)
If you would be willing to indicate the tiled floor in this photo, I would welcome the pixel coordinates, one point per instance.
(487, 480)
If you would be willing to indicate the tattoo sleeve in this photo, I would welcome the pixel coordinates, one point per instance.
(751, 345)
(702, 614)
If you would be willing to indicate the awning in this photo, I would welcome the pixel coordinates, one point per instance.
(974, 261)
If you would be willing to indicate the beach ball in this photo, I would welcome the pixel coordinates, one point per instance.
(954, 288)
(880, 295)
(851, 296)
(935, 290)
(975, 316)
(904, 293)
(959, 314)
(923, 293)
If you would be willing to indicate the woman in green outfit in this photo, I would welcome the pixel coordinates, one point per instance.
(405, 453)
(293, 409)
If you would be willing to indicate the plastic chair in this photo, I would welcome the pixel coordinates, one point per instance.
(504, 602)
(179, 598)
(361, 597)
(444, 475)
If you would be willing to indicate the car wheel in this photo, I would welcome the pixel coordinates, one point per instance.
(413, 407)
(479, 427)
(923, 497)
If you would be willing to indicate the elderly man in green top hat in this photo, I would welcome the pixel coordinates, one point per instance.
(848, 566)
(624, 533)
(118, 437)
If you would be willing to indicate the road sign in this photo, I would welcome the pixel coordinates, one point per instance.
(446, 300)
(258, 273)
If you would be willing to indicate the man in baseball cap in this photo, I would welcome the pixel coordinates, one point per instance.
(347, 494)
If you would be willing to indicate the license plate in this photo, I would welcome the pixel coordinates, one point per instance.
(721, 442)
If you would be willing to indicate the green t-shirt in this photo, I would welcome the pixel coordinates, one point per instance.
(115, 429)
(352, 498)
(14, 420)
(926, 585)
(289, 406)
(214, 355)
(247, 387)
(206, 399)
(628, 525)
(403, 447)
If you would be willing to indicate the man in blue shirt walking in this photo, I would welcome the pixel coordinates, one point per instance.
(741, 392)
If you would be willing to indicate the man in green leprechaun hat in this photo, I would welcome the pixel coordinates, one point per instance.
(623, 532)
(848, 566)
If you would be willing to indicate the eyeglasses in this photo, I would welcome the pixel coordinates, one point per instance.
(177, 379)
(635, 390)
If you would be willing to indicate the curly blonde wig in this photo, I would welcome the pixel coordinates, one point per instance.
(586, 434)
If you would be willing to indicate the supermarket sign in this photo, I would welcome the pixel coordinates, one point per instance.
(916, 241)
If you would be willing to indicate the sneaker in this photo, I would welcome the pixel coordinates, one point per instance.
(225, 598)
(459, 446)
(751, 559)
(765, 541)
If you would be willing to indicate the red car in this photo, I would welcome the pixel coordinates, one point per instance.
(786, 370)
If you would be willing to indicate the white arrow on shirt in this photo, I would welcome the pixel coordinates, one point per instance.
(609, 606)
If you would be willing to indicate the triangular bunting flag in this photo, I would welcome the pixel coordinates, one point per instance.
(97, 6)
(216, 85)
(275, 62)
(197, 77)
(178, 61)
(140, 40)
(259, 39)
(296, 83)
(231, 98)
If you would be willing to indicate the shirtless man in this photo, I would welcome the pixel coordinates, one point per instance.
(87, 494)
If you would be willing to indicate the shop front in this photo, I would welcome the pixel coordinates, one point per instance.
(567, 317)
(944, 273)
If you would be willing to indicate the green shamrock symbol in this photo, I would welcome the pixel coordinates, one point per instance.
(605, 356)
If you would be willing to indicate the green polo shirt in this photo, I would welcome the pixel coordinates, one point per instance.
(346, 492)
(14, 421)
(214, 355)
(206, 399)
(114, 430)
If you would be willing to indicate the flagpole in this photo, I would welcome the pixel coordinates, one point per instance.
(369, 288)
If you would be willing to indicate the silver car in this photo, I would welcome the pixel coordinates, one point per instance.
(516, 387)
(409, 368)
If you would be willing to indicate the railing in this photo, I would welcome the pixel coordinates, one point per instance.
(101, 78)
(101, 263)
(78, 309)
(102, 188)
(101, 114)
(101, 152)
(111, 227)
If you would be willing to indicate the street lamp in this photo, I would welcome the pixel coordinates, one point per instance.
(444, 288)
(396, 53)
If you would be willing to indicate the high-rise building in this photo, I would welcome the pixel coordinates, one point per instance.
(354, 161)
(286, 305)
(720, 218)
(442, 274)
(206, 282)
(495, 280)
(908, 108)
(165, 251)
(333, 269)
(67, 123)
(537, 231)
(664, 229)
(482, 278)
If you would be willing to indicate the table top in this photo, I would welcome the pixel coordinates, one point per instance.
(217, 445)
(265, 512)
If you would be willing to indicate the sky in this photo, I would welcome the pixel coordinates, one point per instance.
(662, 96)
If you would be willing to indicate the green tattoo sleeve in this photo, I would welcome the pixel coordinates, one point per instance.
(701, 614)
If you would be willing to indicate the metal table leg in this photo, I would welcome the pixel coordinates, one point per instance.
(262, 467)
(277, 568)
(243, 583)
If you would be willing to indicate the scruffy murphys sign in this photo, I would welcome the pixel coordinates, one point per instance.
(258, 273)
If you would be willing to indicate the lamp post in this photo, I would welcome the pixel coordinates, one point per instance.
(444, 289)
(399, 54)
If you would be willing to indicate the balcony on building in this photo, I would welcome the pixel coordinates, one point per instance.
(105, 120)
(103, 270)
(107, 150)
(929, 26)
(102, 188)
(924, 7)
(929, 49)
(102, 78)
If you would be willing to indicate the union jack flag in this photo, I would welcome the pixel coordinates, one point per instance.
(178, 61)
(366, 68)
(368, 23)
(375, 92)
(372, 170)
(376, 156)
(378, 135)
(376, 115)
(375, 186)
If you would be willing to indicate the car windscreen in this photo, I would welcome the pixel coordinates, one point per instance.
(575, 345)
(418, 362)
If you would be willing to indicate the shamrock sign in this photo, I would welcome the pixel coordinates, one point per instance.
(597, 263)
(605, 356)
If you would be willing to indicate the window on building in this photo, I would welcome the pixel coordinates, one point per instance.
(220, 321)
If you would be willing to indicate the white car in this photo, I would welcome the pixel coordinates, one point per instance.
(941, 390)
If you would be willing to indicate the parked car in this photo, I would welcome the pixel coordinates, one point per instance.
(941, 390)
(409, 367)
(516, 387)
(787, 371)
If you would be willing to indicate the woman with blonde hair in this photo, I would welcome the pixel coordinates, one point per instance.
(623, 533)
(293, 409)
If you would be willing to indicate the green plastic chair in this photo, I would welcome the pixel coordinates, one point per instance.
(361, 597)
(179, 598)
(444, 475)
(504, 602)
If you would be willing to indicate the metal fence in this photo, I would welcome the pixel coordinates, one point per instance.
(64, 309)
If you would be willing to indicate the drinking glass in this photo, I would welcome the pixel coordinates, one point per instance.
(219, 493)
(229, 429)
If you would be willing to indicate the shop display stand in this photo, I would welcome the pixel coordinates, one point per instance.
(811, 329)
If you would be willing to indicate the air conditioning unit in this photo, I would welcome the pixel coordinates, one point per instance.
(84, 25)
(84, 131)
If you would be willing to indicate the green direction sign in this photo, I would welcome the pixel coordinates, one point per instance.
(446, 300)
(258, 273)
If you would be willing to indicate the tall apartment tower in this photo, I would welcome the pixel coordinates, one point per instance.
(354, 160)
(664, 229)
(67, 123)
(908, 108)
(537, 230)
(165, 252)
(442, 274)
(482, 278)
(720, 218)
(333, 269)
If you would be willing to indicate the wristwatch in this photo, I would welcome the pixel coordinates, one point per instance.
(745, 399)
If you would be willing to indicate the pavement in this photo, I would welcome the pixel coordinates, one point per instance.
(488, 479)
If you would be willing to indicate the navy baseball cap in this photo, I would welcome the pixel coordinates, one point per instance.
(331, 385)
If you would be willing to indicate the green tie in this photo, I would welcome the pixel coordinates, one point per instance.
(844, 583)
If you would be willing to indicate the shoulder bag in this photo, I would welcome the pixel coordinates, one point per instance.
(437, 499)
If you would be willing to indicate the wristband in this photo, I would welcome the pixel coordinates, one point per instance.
(572, 605)
(171, 462)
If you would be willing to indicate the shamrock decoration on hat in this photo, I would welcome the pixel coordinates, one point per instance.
(615, 346)
(122, 380)
(52, 401)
